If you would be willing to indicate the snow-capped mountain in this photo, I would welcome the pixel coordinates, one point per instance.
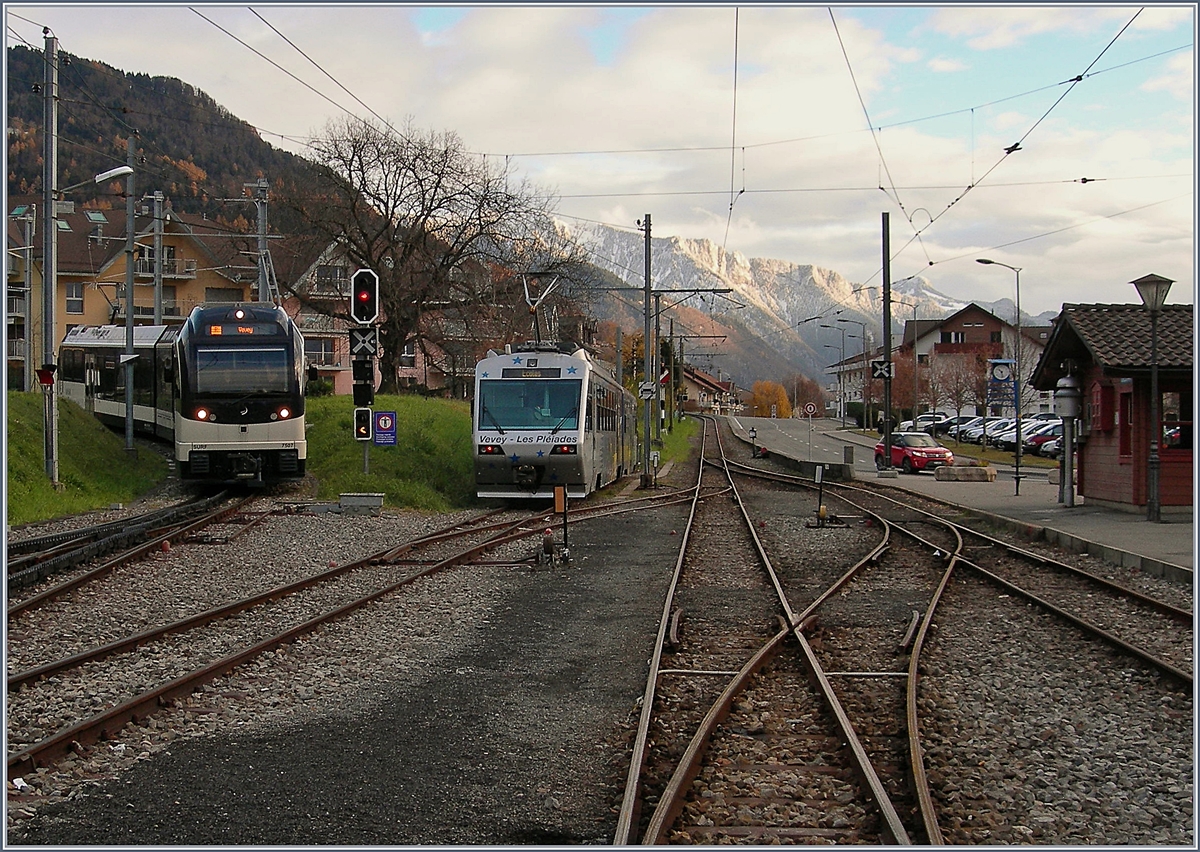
(777, 318)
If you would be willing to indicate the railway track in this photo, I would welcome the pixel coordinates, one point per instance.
(37, 558)
(230, 634)
(738, 707)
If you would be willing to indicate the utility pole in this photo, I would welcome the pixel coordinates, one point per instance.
(128, 359)
(27, 377)
(887, 344)
(658, 396)
(158, 258)
(647, 361)
(50, 252)
(260, 202)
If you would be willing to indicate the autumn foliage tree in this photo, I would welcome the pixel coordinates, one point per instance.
(767, 394)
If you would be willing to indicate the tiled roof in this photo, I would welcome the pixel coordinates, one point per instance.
(1118, 336)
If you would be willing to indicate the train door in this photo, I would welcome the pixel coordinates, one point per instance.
(91, 380)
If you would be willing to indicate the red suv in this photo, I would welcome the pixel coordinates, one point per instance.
(914, 451)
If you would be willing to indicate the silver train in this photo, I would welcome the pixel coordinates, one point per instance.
(226, 387)
(548, 416)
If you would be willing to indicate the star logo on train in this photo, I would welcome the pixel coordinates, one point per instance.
(486, 375)
(540, 454)
(517, 360)
(571, 371)
(515, 458)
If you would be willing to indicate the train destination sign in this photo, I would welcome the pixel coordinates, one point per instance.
(526, 373)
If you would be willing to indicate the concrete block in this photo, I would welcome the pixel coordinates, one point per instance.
(361, 504)
(965, 474)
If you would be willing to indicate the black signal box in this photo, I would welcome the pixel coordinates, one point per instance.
(363, 370)
(364, 394)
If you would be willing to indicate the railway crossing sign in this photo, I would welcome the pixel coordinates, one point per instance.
(647, 390)
(385, 429)
(883, 370)
(364, 341)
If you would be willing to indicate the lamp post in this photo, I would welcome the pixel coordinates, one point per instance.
(1017, 371)
(1153, 290)
(753, 442)
(841, 369)
(865, 375)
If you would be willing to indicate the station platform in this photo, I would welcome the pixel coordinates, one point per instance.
(1121, 537)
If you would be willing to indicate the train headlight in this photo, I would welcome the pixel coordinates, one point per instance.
(204, 414)
(491, 450)
(564, 450)
(282, 414)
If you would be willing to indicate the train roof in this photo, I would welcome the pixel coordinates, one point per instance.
(238, 312)
(115, 335)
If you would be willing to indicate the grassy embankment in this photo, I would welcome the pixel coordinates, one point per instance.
(93, 469)
(430, 468)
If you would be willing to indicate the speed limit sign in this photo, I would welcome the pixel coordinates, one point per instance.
(810, 408)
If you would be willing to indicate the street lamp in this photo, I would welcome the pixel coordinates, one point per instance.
(841, 369)
(49, 298)
(1017, 372)
(865, 374)
(1153, 289)
(753, 444)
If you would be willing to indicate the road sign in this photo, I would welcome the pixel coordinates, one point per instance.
(810, 408)
(385, 429)
(647, 390)
(883, 370)
(364, 341)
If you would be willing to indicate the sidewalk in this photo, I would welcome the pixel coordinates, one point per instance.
(1124, 538)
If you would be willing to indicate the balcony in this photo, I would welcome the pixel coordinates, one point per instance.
(14, 306)
(171, 267)
(17, 348)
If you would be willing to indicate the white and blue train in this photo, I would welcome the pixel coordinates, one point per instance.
(549, 416)
(226, 387)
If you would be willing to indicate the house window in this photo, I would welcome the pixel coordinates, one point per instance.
(996, 337)
(319, 350)
(330, 274)
(1125, 424)
(408, 355)
(1176, 414)
(74, 297)
(954, 337)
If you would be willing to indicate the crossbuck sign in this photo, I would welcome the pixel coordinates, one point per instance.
(883, 370)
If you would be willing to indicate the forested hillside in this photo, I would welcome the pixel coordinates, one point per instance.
(196, 152)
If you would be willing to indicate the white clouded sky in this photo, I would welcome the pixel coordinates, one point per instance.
(623, 111)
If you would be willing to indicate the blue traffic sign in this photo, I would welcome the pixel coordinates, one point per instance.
(385, 429)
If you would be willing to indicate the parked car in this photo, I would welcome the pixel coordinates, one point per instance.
(943, 427)
(924, 422)
(1041, 436)
(1051, 448)
(1007, 440)
(913, 452)
(959, 431)
(995, 425)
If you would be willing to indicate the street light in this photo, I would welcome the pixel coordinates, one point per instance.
(753, 444)
(865, 374)
(916, 360)
(1153, 289)
(841, 369)
(1017, 373)
(49, 298)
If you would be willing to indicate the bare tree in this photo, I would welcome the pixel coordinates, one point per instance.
(442, 227)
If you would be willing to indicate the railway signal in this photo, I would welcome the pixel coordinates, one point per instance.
(364, 296)
(362, 424)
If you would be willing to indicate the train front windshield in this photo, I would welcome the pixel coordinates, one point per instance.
(528, 404)
(242, 370)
